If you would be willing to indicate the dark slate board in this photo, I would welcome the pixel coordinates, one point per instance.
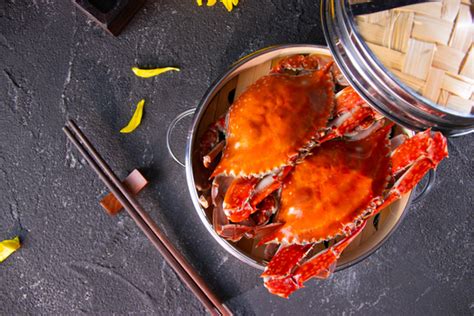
(56, 64)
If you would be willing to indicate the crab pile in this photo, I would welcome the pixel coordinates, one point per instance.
(297, 164)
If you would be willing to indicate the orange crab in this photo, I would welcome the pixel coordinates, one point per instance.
(319, 199)
(270, 128)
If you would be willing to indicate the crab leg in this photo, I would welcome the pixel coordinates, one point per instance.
(285, 260)
(211, 156)
(210, 141)
(279, 278)
(352, 115)
(397, 141)
(408, 152)
(416, 156)
(245, 194)
(227, 230)
(232, 232)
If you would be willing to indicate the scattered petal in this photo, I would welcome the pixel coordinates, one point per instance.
(148, 73)
(229, 4)
(135, 120)
(9, 246)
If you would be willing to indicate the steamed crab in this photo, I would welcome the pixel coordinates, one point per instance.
(271, 127)
(289, 140)
(368, 175)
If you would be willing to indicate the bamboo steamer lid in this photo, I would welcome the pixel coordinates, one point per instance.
(429, 47)
(425, 49)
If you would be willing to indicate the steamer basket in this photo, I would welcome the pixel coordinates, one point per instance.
(215, 103)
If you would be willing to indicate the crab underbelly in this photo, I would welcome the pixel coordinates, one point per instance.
(312, 209)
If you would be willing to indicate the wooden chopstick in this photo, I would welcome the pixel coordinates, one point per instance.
(179, 264)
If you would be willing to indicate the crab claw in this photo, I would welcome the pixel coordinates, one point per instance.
(236, 202)
(265, 210)
(282, 287)
(261, 218)
(412, 160)
(268, 185)
(289, 269)
(225, 229)
(252, 227)
(431, 146)
(324, 263)
(352, 116)
(278, 278)
(245, 194)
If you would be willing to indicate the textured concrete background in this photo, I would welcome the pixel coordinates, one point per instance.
(56, 64)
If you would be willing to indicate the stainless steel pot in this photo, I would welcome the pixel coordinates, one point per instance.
(207, 112)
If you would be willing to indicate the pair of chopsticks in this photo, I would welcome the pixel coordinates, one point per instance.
(179, 264)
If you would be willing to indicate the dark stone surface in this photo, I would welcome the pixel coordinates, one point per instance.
(56, 64)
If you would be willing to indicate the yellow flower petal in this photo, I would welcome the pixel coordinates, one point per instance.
(148, 73)
(227, 4)
(9, 246)
(135, 120)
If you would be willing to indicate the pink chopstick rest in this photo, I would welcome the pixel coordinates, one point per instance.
(134, 182)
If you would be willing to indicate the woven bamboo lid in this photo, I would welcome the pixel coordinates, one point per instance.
(412, 60)
(428, 46)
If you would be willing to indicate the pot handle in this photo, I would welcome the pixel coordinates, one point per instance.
(427, 187)
(170, 130)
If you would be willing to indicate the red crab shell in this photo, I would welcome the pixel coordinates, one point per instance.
(331, 190)
(274, 119)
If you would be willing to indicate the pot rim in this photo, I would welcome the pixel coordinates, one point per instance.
(199, 112)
